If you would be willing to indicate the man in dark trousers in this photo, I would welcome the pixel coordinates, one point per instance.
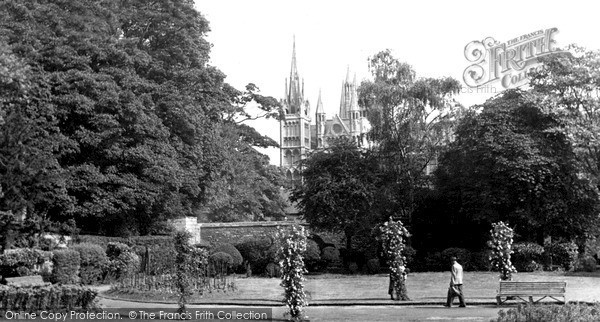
(456, 281)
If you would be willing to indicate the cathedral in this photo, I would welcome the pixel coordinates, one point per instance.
(298, 135)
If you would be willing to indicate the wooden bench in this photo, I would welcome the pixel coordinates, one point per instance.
(542, 290)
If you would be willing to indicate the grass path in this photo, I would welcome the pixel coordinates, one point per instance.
(431, 286)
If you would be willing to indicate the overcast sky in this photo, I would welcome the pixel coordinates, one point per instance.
(252, 40)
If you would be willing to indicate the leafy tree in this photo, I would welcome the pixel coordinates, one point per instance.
(569, 85)
(411, 120)
(128, 117)
(339, 189)
(512, 163)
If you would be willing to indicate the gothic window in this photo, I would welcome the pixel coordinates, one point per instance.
(288, 158)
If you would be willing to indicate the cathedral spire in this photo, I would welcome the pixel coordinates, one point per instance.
(320, 109)
(294, 89)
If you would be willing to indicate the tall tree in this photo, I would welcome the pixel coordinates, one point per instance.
(130, 89)
(412, 120)
(569, 84)
(511, 163)
(339, 189)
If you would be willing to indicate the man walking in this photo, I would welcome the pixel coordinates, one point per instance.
(456, 281)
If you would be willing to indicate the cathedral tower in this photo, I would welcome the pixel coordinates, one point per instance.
(295, 124)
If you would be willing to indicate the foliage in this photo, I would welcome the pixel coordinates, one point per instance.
(586, 263)
(52, 298)
(220, 262)
(579, 312)
(123, 261)
(312, 257)
(292, 247)
(463, 256)
(373, 266)
(189, 262)
(113, 116)
(227, 248)
(66, 266)
(23, 258)
(501, 246)
(339, 189)
(330, 254)
(568, 84)
(257, 252)
(392, 237)
(94, 262)
(511, 162)
(562, 254)
(527, 256)
(412, 120)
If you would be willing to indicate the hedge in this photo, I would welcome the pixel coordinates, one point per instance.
(227, 248)
(94, 262)
(527, 257)
(22, 261)
(140, 241)
(562, 254)
(123, 261)
(49, 298)
(66, 266)
(257, 252)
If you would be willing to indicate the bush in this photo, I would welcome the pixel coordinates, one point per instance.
(312, 256)
(562, 254)
(54, 298)
(330, 254)
(157, 260)
(227, 248)
(16, 262)
(586, 264)
(373, 266)
(273, 270)
(94, 262)
(463, 257)
(122, 261)
(567, 312)
(220, 263)
(66, 266)
(353, 268)
(409, 253)
(527, 256)
(480, 261)
(257, 252)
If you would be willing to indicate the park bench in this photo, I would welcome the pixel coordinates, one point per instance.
(542, 290)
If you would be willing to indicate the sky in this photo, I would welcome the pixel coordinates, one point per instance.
(252, 40)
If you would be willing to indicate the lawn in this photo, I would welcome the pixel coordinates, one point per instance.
(423, 287)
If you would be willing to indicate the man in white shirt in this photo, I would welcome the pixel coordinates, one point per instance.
(456, 281)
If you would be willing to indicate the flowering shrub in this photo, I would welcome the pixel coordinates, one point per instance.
(501, 246)
(123, 262)
(392, 236)
(292, 246)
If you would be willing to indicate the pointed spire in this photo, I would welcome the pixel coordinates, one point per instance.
(320, 109)
(295, 88)
(348, 74)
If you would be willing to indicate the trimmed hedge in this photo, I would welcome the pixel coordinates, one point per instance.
(227, 248)
(66, 266)
(22, 261)
(330, 254)
(141, 241)
(94, 262)
(257, 252)
(49, 298)
(312, 256)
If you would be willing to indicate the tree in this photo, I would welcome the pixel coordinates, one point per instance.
(138, 109)
(512, 163)
(569, 85)
(339, 189)
(411, 122)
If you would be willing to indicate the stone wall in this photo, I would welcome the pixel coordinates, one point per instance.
(235, 232)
